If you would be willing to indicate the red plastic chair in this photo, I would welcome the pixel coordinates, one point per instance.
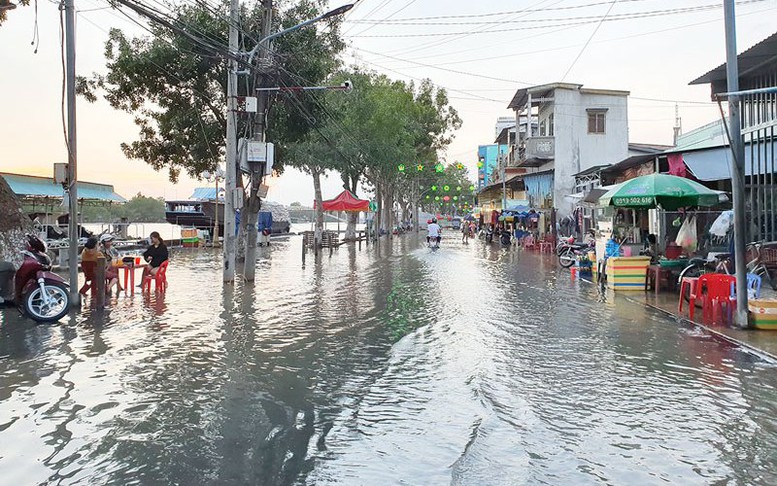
(529, 243)
(718, 292)
(89, 278)
(160, 279)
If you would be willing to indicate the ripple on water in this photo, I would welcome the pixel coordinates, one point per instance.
(466, 365)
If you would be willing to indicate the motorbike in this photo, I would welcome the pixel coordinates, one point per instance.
(489, 234)
(42, 294)
(569, 253)
(505, 238)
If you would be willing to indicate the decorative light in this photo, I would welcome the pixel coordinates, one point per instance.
(455, 198)
(446, 198)
(401, 167)
(458, 188)
(434, 188)
(419, 167)
(428, 196)
(436, 198)
(480, 164)
(446, 188)
(472, 188)
(439, 168)
(460, 166)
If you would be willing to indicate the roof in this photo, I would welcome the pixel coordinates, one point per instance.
(759, 59)
(346, 201)
(522, 95)
(35, 186)
(633, 161)
(591, 170)
(502, 138)
(648, 148)
(206, 194)
(714, 164)
(710, 135)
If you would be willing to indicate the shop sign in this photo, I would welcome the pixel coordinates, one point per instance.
(633, 201)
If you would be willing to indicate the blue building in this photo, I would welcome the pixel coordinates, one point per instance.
(489, 155)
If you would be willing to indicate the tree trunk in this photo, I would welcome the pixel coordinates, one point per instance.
(252, 217)
(379, 213)
(319, 227)
(350, 230)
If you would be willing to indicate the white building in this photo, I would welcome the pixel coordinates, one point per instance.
(579, 128)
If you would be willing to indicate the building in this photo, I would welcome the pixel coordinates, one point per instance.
(577, 129)
(758, 119)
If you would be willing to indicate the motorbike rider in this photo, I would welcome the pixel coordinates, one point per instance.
(433, 232)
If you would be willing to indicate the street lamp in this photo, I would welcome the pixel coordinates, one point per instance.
(332, 13)
(216, 176)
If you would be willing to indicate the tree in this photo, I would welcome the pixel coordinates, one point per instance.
(176, 87)
(6, 6)
(381, 124)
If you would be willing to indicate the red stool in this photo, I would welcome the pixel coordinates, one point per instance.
(692, 284)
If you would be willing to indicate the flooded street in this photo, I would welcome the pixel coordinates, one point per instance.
(469, 365)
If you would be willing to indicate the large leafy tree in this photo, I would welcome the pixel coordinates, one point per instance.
(176, 87)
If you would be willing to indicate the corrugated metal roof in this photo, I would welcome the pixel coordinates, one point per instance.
(714, 164)
(760, 57)
(34, 186)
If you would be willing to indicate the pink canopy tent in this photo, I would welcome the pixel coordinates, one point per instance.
(346, 201)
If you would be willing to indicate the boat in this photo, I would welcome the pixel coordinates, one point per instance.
(199, 211)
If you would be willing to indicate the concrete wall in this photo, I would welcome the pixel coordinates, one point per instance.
(575, 148)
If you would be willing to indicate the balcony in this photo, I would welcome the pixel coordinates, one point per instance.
(542, 148)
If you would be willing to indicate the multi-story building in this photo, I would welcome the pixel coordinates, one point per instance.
(578, 128)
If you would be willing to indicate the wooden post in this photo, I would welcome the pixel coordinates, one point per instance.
(304, 243)
(99, 277)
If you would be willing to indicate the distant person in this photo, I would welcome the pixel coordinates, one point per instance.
(433, 232)
(155, 255)
(464, 232)
(111, 255)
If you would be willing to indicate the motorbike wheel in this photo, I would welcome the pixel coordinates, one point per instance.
(567, 258)
(42, 312)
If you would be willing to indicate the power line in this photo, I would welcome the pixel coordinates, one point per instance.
(604, 17)
(633, 16)
(494, 14)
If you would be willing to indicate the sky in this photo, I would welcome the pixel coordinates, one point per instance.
(481, 52)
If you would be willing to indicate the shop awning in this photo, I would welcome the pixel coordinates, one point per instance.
(34, 186)
(346, 201)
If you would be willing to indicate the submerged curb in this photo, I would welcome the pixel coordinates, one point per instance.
(764, 355)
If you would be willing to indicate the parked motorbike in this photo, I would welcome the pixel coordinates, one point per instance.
(505, 237)
(42, 295)
(569, 253)
(489, 234)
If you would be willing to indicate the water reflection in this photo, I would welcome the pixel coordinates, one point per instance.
(467, 365)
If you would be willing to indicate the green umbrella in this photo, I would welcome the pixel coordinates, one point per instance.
(668, 191)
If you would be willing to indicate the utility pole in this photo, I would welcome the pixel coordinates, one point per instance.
(260, 125)
(738, 168)
(230, 184)
(72, 169)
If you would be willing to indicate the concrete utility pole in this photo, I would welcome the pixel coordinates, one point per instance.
(260, 125)
(738, 162)
(230, 236)
(72, 172)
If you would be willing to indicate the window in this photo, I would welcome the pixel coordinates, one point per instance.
(596, 121)
(542, 128)
(550, 125)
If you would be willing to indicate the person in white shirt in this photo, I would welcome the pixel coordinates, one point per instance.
(433, 232)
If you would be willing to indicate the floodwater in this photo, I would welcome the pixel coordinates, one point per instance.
(470, 365)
